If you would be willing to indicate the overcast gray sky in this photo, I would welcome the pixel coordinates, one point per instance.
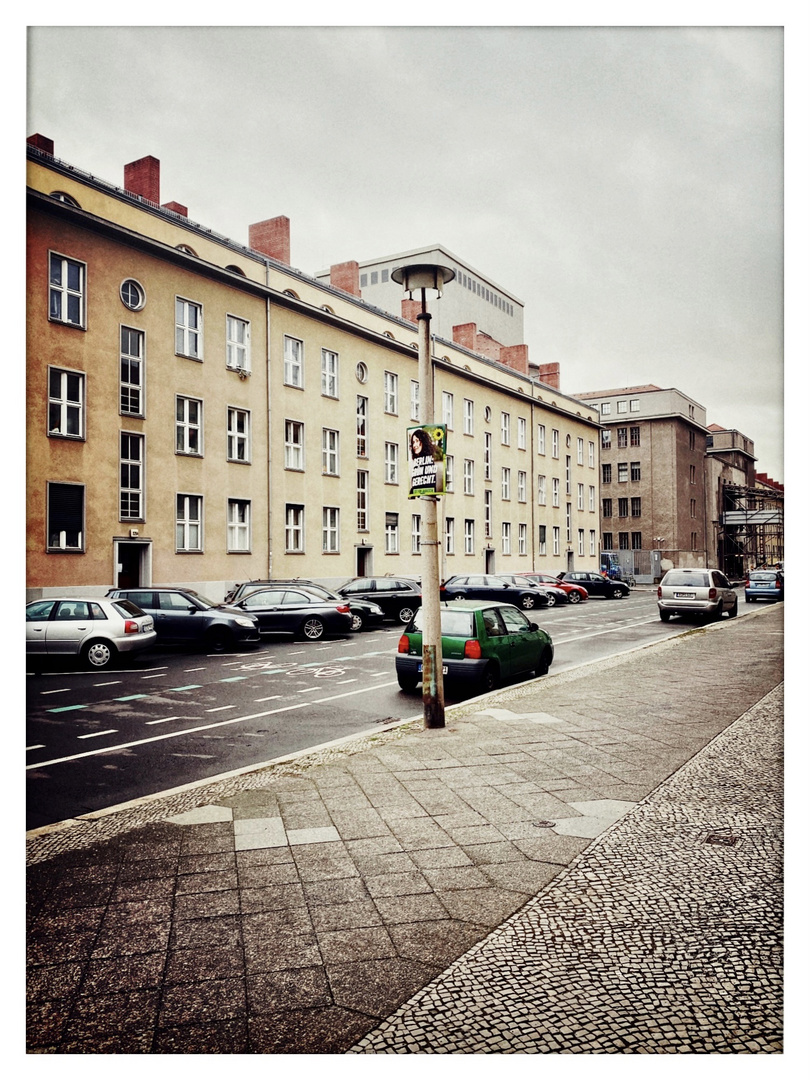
(625, 183)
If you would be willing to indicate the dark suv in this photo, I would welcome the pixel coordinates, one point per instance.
(183, 617)
(398, 597)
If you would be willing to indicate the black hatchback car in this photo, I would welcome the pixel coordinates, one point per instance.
(184, 617)
(520, 592)
(597, 585)
(398, 597)
(285, 609)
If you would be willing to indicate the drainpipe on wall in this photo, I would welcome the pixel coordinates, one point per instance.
(269, 435)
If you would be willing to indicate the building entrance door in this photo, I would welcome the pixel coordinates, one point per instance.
(364, 561)
(132, 564)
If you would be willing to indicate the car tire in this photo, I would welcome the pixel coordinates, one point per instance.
(574, 598)
(544, 663)
(312, 629)
(528, 602)
(405, 615)
(552, 600)
(732, 614)
(218, 640)
(407, 682)
(489, 680)
(357, 622)
(617, 593)
(665, 616)
(99, 655)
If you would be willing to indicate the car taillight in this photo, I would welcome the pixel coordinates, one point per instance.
(748, 584)
(344, 609)
(404, 644)
(778, 584)
(660, 594)
(472, 649)
(131, 627)
(712, 594)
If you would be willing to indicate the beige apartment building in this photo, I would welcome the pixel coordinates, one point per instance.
(201, 413)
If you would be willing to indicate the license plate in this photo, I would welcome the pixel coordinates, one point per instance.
(684, 596)
(444, 669)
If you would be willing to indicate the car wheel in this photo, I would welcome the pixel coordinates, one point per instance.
(407, 682)
(99, 654)
(734, 608)
(544, 663)
(618, 593)
(527, 602)
(489, 680)
(405, 615)
(665, 616)
(357, 622)
(218, 640)
(313, 629)
(574, 598)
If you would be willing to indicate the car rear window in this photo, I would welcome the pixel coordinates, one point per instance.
(761, 575)
(693, 578)
(454, 623)
(126, 607)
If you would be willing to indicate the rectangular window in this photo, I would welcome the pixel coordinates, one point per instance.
(541, 438)
(506, 426)
(331, 530)
(238, 435)
(391, 534)
(468, 416)
(449, 536)
(188, 426)
(623, 505)
(592, 499)
(131, 399)
(555, 540)
(580, 496)
(487, 455)
(606, 433)
(469, 476)
(635, 436)
(522, 538)
(635, 507)
(329, 373)
(294, 528)
(607, 508)
(506, 538)
(506, 483)
(362, 500)
(622, 473)
(692, 474)
(693, 537)
(621, 406)
(541, 490)
(567, 474)
(447, 409)
(635, 405)
(130, 477)
(692, 440)
(237, 343)
(605, 408)
(330, 452)
(238, 525)
(521, 433)
(555, 443)
(592, 542)
(580, 451)
(692, 508)
(390, 393)
(293, 445)
(521, 490)
(607, 473)
(541, 540)
(362, 426)
(555, 491)
(580, 541)
(469, 536)
(392, 463)
(591, 455)
(621, 438)
(66, 403)
(416, 534)
(66, 290)
(449, 472)
(65, 526)
(635, 541)
(624, 541)
(635, 470)
(568, 522)
(293, 362)
(488, 513)
(188, 328)
(189, 525)
(414, 400)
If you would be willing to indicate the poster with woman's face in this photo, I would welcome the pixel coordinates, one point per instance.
(426, 452)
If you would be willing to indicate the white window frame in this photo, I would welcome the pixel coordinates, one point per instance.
(391, 534)
(506, 483)
(330, 530)
(555, 540)
(488, 513)
(447, 409)
(506, 538)
(68, 407)
(294, 523)
(521, 433)
(487, 455)
(361, 426)
(555, 491)
(469, 476)
(415, 400)
(521, 485)
(62, 539)
(238, 525)
(64, 297)
(580, 451)
(131, 486)
(188, 328)
(362, 499)
(391, 393)
(239, 443)
(591, 455)
(541, 490)
(506, 428)
(580, 496)
(416, 534)
(131, 389)
(330, 365)
(541, 439)
(449, 472)
(449, 536)
(541, 540)
(469, 416)
(188, 523)
(391, 463)
(330, 451)
(293, 362)
(580, 541)
(237, 343)
(591, 499)
(592, 542)
(555, 443)
(521, 538)
(469, 536)
(187, 431)
(294, 445)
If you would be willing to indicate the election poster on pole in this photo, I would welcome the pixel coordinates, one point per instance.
(427, 448)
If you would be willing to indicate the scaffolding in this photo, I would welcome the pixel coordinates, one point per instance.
(751, 530)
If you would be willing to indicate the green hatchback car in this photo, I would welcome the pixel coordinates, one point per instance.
(483, 644)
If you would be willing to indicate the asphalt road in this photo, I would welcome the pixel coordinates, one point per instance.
(171, 718)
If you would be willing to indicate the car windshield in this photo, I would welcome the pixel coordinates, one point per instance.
(693, 578)
(454, 623)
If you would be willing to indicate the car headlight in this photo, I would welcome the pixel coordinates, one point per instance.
(249, 623)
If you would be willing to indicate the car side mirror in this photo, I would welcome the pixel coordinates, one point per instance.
(533, 626)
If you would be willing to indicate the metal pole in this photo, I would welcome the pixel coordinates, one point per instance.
(432, 678)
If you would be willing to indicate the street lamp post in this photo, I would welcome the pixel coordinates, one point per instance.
(419, 277)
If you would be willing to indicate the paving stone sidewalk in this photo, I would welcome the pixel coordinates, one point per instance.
(295, 908)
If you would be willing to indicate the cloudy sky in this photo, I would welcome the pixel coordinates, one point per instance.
(624, 182)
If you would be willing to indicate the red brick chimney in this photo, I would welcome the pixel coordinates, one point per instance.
(549, 374)
(410, 309)
(465, 335)
(142, 178)
(177, 207)
(41, 143)
(271, 237)
(346, 276)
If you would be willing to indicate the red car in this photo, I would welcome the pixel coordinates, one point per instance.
(574, 592)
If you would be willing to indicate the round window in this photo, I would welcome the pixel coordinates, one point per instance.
(361, 371)
(132, 295)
